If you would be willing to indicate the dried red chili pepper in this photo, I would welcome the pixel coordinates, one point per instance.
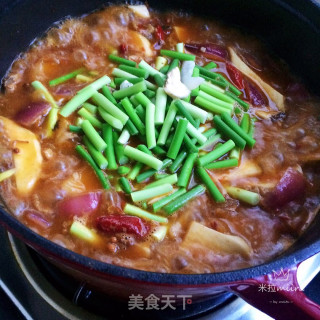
(235, 76)
(123, 223)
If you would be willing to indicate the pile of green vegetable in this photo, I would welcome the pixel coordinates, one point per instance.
(131, 125)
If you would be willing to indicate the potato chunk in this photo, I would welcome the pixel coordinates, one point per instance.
(247, 168)
(199, 234)
(138, 42)
(182, 33)
(28, 160)
(140, 10)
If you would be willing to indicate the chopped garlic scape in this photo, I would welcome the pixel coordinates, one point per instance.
(80, 231)
(7, 174)
(186, 75)
(140, 10)
(159, 233)
(174, 87)
(160, 62)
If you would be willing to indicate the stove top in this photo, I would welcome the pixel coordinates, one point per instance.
(33, 289)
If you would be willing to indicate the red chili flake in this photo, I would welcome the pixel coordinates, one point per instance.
(160, 33)
(123, 48)
(214, 225)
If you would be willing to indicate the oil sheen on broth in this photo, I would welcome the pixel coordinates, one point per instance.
(53, 186)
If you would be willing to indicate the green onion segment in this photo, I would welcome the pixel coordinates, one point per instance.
(162, 148)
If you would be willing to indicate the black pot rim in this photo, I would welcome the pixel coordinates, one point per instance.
(74, 259)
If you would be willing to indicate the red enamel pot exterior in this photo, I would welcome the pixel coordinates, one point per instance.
(277, 293)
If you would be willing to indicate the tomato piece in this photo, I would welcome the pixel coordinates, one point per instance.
(235, 76)
(160, 33)
(122, 223)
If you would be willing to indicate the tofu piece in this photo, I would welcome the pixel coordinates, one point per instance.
(199, 234)
(28, 160)
(174, 87)
(275, 95)
(140, 10)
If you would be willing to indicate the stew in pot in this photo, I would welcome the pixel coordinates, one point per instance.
(159, 141)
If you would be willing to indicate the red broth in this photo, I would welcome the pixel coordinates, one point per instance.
(282, 167)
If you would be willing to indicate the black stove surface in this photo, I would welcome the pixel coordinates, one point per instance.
(8, 310)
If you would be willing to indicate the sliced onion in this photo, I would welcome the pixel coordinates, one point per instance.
(186, 75)
(187, 69)
(257, 98)
(31, 113)
(37, 219)
(209, 50)
(125, 84)
(292, 186)
(67, 89)
(80, 205)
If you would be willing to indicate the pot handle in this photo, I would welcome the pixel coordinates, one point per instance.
(278, 295)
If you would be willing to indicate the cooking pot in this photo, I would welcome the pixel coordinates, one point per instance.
(292, 30)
